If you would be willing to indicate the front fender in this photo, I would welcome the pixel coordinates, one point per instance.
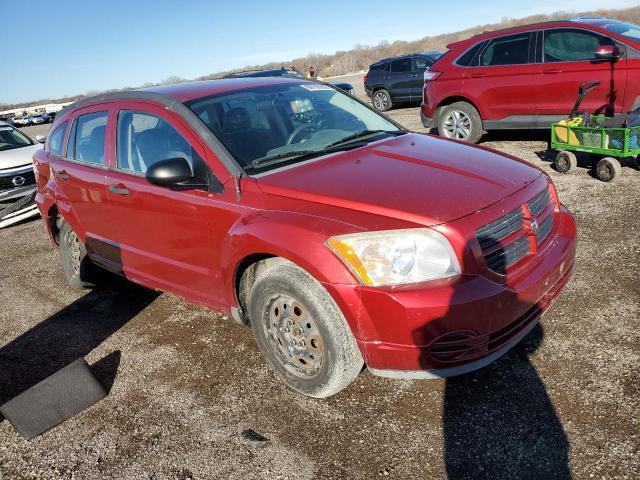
(299, 238)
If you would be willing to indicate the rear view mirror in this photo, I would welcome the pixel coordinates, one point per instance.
(170, 172)
(608, 52)
(40, 138)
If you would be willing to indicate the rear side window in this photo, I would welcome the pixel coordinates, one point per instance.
(86, 140)
(421, 63)
(572, 45)
(144, 139)
(470, 57)
(511, 50)
(380, 66)
(401, 66)
(57, 139)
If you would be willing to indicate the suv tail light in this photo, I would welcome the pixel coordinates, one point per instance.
(431, 75)
(366, 77)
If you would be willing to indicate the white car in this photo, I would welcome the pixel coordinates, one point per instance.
(17, 178)
(21, 122)
(36, 119)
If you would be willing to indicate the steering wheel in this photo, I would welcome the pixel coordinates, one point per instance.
(305, 127)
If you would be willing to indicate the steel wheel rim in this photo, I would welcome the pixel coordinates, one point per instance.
(457, 125)
(293, 336)
(380, 100)
(72, 243)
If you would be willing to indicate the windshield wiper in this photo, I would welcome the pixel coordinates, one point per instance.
(280, 157)
(364, 133)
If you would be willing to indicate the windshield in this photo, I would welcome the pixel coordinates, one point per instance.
(628, 30)
(11, 138)
(281, 122)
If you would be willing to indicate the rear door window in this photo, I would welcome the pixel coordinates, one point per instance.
(380, 66)
(572, 45)
(144, 139)
(402, 65)
(86, 140)
(510, 50)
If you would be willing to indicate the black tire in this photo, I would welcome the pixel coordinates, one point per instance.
(460, 121)
(76, 265)
(302, 333)
(381, 100)
(608, 169)
(566, 162)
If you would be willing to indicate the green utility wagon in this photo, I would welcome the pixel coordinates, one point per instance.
(606, 144)
(594, 135)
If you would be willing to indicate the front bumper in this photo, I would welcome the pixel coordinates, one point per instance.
(454, 326)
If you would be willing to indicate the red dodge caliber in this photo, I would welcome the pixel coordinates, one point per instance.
(341, 238)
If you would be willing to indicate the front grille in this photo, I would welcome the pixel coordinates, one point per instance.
(7, 183)
(505, 242)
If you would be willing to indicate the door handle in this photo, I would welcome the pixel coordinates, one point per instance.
(62, 175)
(119, 190)
(478, 75)
(415, 75)
(387, 78)
(551, 71)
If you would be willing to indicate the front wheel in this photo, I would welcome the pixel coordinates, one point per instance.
(302, 333)
(460, 121)
(608, 169)
(381, 100)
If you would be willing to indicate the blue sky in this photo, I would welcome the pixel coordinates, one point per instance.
(66, 47)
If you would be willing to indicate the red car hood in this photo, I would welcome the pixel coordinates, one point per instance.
(417, 178)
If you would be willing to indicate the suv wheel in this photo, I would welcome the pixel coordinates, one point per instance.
(76, 265)
(302, 333)
(381, 100)
(460, 121)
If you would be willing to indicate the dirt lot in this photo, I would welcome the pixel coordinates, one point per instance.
(186, 382)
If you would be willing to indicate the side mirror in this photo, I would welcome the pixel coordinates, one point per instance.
(608, 52)
(40, 138)
(169, 172)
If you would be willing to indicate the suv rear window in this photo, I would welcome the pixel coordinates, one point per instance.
(382, 66)
(470, 57)
(572, 45)
(402, 65)
(511, 50)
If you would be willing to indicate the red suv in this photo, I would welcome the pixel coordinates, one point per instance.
(528, 77)
(339, 236)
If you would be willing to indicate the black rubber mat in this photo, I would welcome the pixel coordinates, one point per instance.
(55, 399)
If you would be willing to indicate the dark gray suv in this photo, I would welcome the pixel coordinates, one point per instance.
(397, 79)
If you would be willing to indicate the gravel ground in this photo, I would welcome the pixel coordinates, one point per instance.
(185, 382)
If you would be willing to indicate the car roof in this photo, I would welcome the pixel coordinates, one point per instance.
(4, 124)
(526, 28)
(256, 73)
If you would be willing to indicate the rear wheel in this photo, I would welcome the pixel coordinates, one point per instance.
(302, 333)
(381, 100)
(566, 161)
(76, 265)
(608, 169)
(460, 121)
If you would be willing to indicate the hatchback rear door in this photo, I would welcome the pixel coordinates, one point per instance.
(568, 59)
(80, 175)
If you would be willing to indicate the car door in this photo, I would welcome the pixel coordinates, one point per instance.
(568, 59)
(163, 233)
(420, 64)
(399, 79)
(80, 174)
(500, 84)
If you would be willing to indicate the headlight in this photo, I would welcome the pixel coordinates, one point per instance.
(395, 257)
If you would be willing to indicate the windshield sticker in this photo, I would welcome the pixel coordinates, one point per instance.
(315, 86)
